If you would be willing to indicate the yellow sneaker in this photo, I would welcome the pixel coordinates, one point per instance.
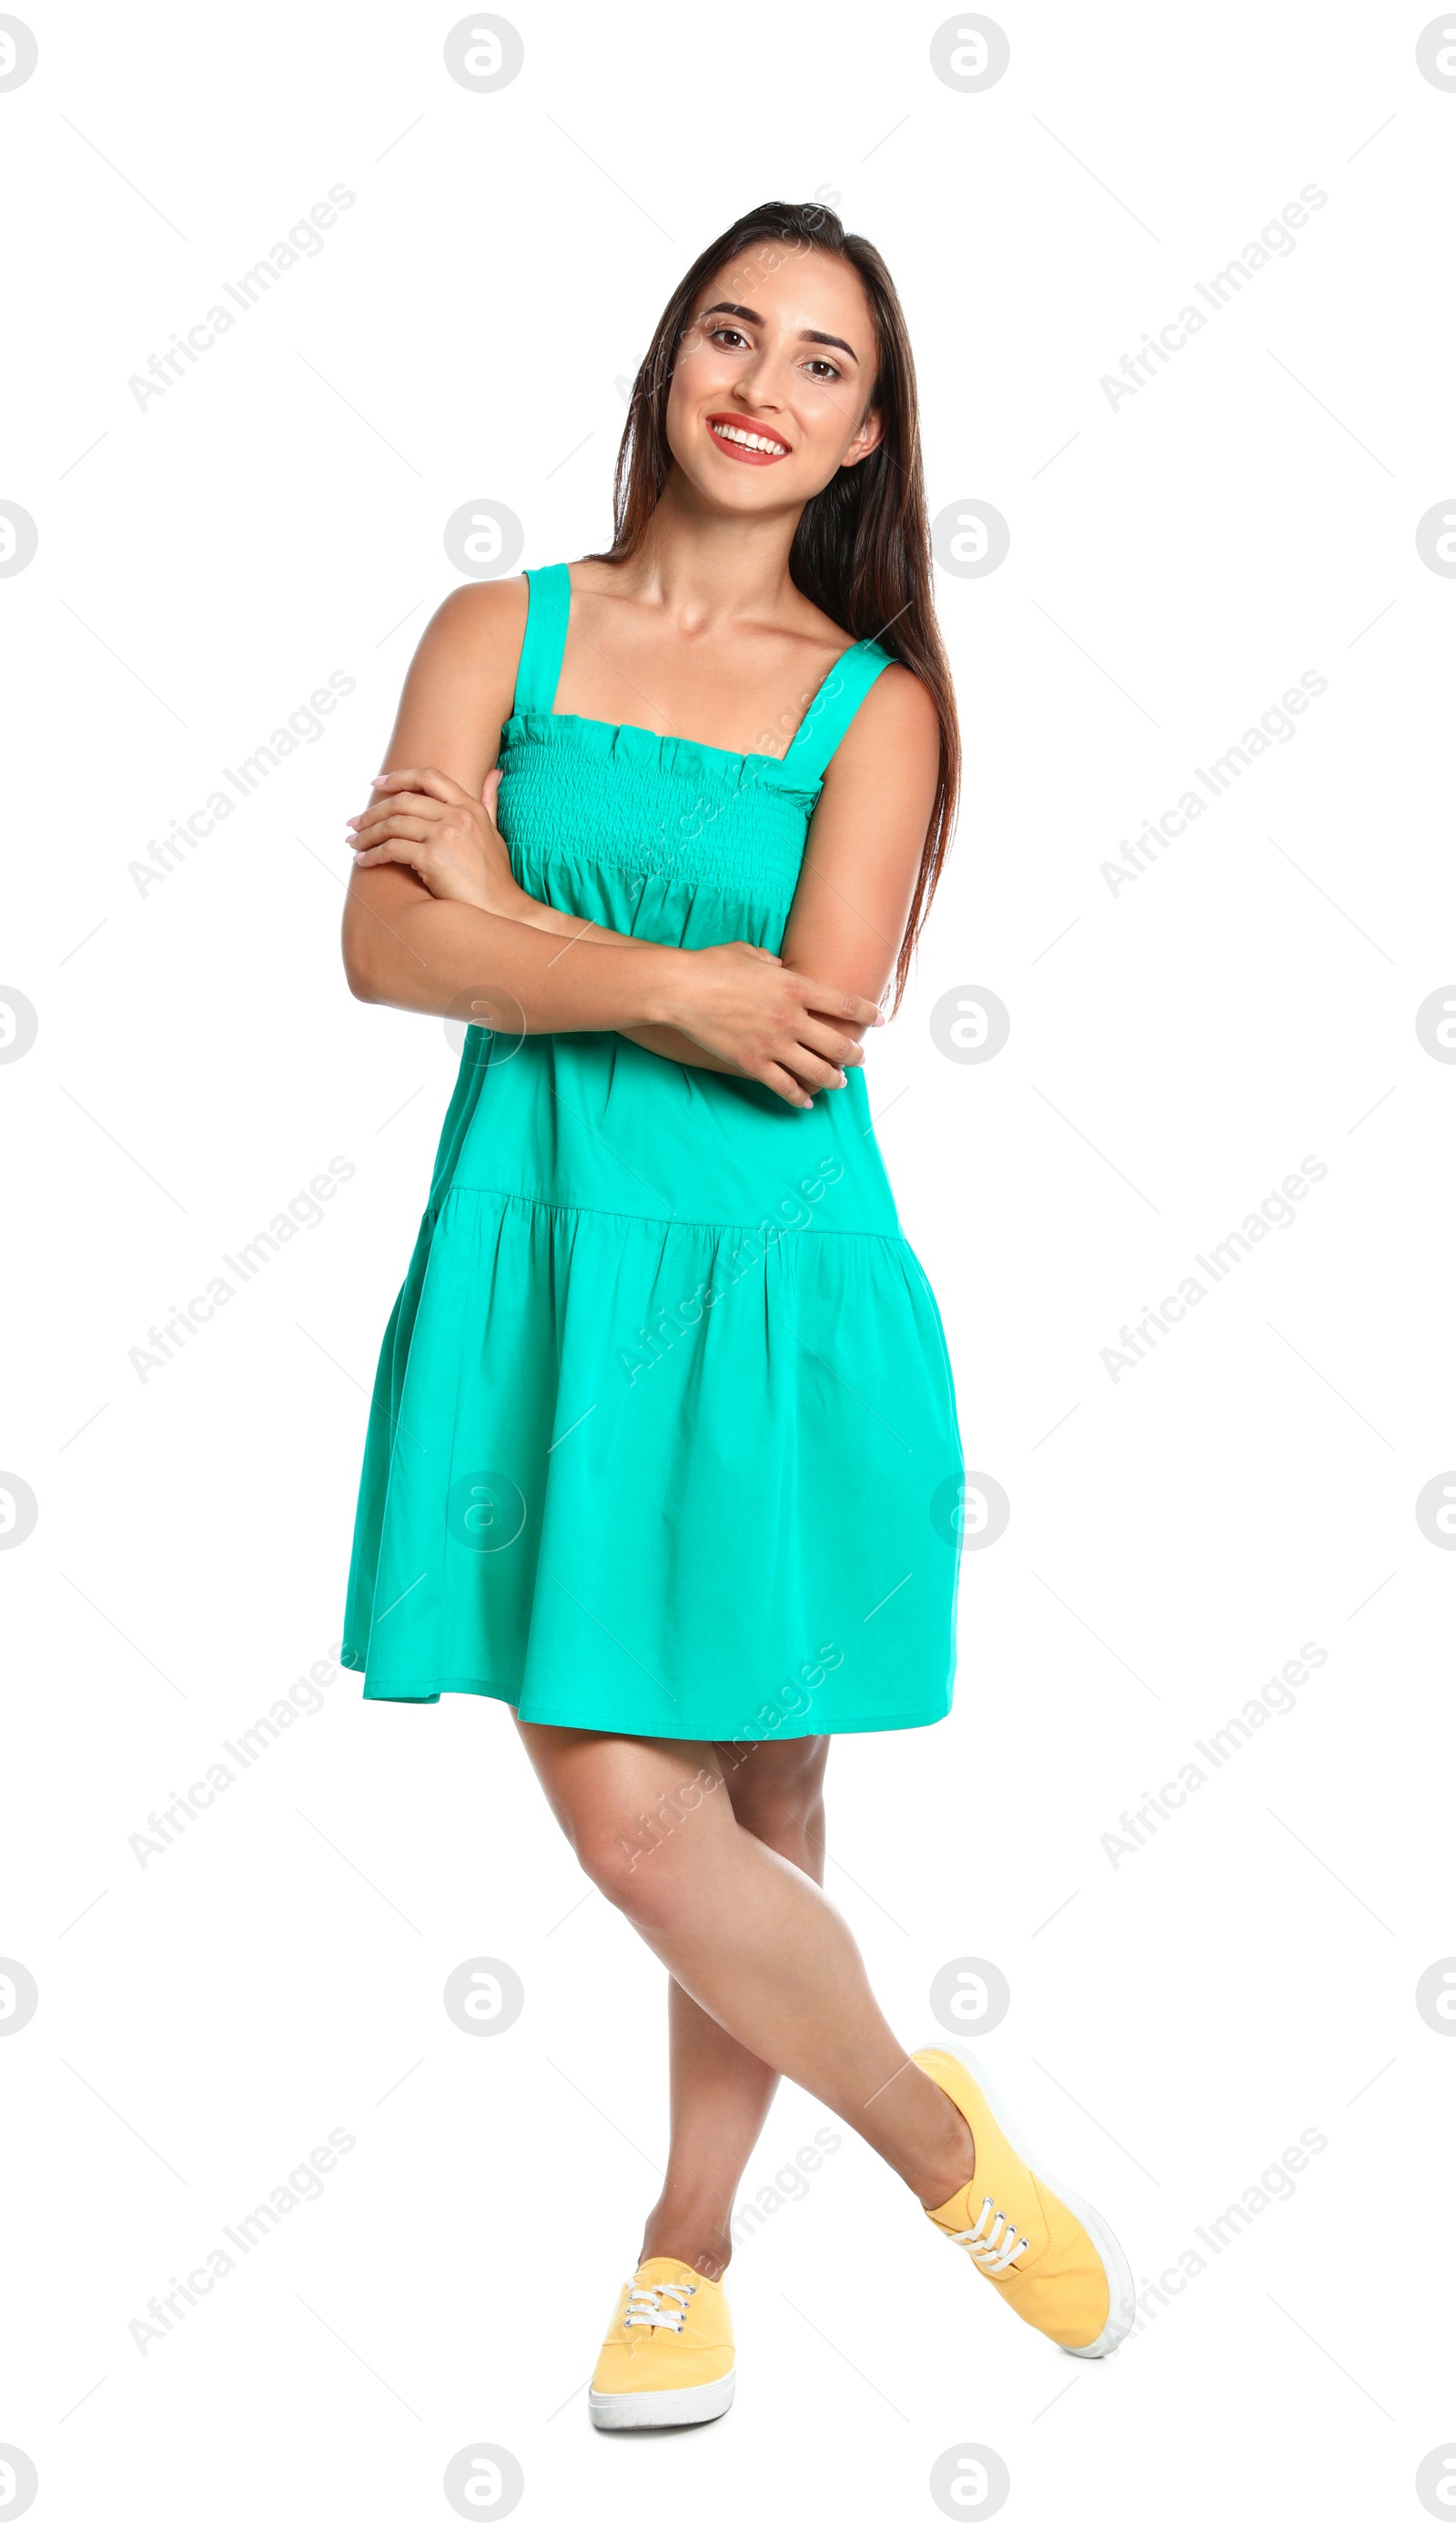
(668, 2357)
(1053, 2258)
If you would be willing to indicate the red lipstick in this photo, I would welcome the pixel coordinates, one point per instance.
(760, 431)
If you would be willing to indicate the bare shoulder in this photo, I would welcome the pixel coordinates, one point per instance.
(897, 721)
(898, 708)
(458, 687)
(481, 624)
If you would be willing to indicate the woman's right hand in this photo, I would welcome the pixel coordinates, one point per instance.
(770, 1023)
(431, 823)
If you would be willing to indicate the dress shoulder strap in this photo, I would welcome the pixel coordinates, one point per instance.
(548, 606)
(834, 708)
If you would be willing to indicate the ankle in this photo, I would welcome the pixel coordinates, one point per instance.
(689, 2238)
(944, 2166)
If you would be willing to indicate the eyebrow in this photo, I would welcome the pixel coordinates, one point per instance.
(807, 334)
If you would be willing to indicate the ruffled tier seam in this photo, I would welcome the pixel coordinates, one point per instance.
(675, 1223)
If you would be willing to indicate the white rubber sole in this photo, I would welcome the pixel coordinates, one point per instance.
(1122, 2293)
(662, 2407)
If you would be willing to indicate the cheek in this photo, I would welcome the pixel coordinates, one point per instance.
(826, 443)
(694, 384)
(700, 370)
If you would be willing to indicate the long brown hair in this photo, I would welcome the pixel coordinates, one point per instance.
(861, 551)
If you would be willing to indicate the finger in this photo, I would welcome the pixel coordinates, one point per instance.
(398, 823)
(419, 804)
(837, 1001)
(818, 1072)
(410, 806)
(421, 779)
(780, 1081)
(415, 832)
(395, 850)
(830, 1043)
(428, 804)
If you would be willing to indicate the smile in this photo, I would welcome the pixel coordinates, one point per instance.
(756, 447)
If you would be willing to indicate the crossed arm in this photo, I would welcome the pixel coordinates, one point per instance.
(434, 912)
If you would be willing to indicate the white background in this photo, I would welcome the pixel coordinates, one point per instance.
(1175, 1051)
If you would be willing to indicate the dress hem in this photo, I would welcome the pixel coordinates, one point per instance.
(426, 1695)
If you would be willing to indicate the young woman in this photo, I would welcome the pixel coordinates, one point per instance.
(663, 1448)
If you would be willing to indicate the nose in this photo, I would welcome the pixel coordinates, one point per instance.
(760, 381)
(760, 389)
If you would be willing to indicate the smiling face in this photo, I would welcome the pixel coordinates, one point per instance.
(769, 394)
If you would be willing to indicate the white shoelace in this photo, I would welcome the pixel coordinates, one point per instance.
(993, 2248)
(645, 2303)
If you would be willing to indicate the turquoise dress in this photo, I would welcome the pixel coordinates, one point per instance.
(663, 1437)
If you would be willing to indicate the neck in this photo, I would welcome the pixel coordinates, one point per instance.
(703, 568)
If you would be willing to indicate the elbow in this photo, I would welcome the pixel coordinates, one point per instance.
(358, 975)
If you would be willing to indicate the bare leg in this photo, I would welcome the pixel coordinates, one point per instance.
(748, 1936)
(721, 2092)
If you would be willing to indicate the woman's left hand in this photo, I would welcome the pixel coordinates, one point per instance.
(426, 821)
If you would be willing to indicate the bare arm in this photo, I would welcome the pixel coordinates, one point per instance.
(863, 851)
(865, 838)
(405, 944)
(433, 917)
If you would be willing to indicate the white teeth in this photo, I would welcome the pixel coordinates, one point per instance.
(749, 439)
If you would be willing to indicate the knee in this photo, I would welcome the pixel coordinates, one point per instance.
(635, 1870)
(608, 1857)
(637, 1862)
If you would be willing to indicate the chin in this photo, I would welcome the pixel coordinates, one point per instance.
(727, 487)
